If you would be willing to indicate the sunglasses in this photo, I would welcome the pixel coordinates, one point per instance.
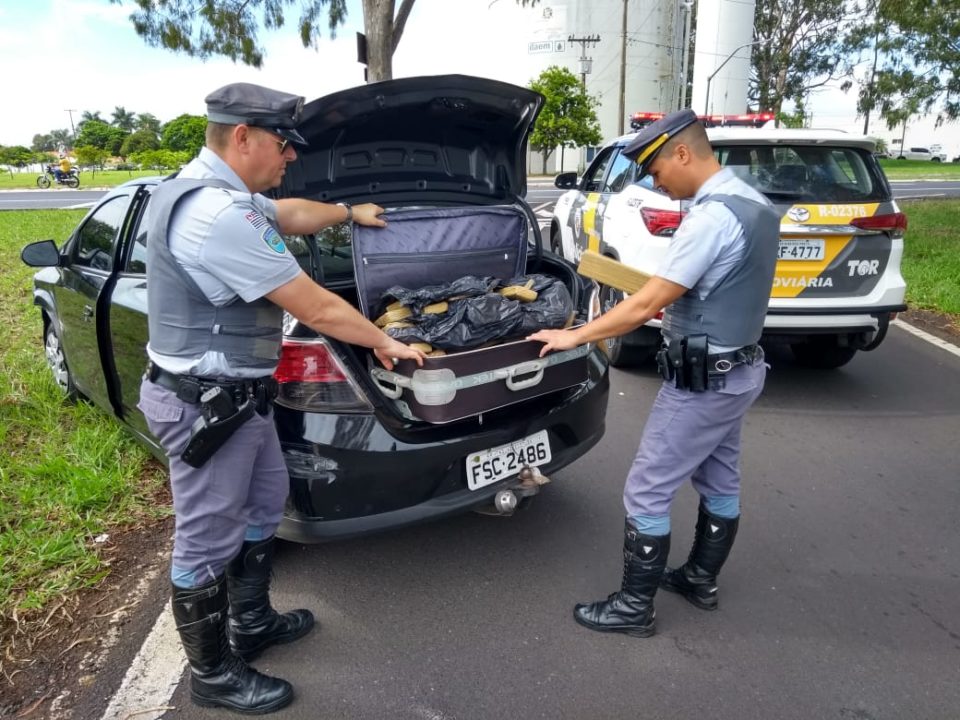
(282, 143)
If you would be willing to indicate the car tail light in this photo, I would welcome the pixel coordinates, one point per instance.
(313, 378)
(893, 222)
(661, 222)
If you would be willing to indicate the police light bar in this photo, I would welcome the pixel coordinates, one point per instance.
(640, 120)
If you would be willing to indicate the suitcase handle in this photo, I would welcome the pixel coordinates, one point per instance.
(395, 383)
(535, 366)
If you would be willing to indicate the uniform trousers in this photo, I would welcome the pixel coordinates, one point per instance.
(692, 435)
(243, 487)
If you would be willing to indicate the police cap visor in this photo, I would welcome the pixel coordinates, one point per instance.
(257, 106)
(648, 143)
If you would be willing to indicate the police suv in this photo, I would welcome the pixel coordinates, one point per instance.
(838, 281)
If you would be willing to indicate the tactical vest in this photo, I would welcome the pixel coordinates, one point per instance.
(733, 312)
(182, 320)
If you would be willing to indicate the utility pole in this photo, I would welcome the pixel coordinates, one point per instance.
(73, 131)
(684, 65)
(585, 62)
(623, 71)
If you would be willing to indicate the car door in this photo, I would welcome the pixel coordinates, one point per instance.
(586, 213)
(80, 298)
(128, 317)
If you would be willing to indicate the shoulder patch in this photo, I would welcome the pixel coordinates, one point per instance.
(271, 237)
(273, 240)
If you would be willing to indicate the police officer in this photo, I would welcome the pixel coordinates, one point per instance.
(219, 278)
(714, 286)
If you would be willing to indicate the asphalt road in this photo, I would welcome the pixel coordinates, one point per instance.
(539, 193)
(839, 600)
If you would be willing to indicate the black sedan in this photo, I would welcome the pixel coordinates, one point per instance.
(359, 462)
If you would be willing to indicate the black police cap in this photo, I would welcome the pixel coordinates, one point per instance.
(650, 141)
(248, 104)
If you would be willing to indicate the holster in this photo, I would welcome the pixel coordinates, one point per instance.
(685, 362)
(219, 419)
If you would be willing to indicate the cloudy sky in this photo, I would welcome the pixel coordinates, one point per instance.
(105, 64)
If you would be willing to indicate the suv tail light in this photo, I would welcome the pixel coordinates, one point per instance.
(661, 222)
(312, 378)
(893, 222)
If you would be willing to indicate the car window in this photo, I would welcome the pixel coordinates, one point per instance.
(327, 257)
(622, 172)
(806, 173)
(96, 238)
(593, 179)
(137, 258)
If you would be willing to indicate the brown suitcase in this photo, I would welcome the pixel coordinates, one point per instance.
(426, 247)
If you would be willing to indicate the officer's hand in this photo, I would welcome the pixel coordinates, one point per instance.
(368, 214)
(555, 340)
(395, 350)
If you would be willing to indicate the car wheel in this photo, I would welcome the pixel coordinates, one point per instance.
(53, 349)
(822, 353)
(620, 354)
(556, 241)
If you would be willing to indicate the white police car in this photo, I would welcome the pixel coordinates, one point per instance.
(838, 281)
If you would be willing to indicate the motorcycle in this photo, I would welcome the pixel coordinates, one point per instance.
(70, 179)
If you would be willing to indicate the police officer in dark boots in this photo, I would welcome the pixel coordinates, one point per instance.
(714, 287)
(219, 278)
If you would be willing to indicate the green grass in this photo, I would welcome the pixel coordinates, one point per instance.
(68, 472)
(88, 179)
(920, 169)
(931, 258)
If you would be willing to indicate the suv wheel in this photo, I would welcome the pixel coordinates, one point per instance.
(556, 241)
(620, 354)
(53, 349)
(822, 353)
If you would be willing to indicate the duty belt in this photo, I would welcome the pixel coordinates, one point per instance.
(725, 361)
(189, 388)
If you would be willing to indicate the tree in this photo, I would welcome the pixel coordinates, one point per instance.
(146, 121)
(203, 28)
(799, 47)
(88, 116)
(17, 156)
(90, 156)
(185, 133)
(567, 117)
(916, 59)
(139, 141)
(123, 119)
(100, 135)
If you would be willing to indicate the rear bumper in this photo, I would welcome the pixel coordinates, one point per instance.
(357, 477)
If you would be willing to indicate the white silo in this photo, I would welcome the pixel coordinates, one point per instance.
(721, 65)
(644, 64)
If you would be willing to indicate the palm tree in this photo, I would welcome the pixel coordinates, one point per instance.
(123, 119)
(87, 115)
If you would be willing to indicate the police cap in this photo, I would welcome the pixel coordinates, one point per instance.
(248, 104)
(649, 141)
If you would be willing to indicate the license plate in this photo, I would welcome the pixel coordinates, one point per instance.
(801, 250)
(488, 466)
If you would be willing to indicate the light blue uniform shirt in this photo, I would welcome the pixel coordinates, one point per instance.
(225, 241)
(708, 243)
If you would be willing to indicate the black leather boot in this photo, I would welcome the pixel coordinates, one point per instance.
(218, 678)
(630, 610)
(254, 625)
(696, 579)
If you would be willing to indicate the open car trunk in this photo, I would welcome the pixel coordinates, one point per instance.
(431, 247)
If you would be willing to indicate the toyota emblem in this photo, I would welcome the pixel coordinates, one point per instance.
(798, 214)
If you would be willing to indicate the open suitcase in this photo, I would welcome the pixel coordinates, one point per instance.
(429, 246)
